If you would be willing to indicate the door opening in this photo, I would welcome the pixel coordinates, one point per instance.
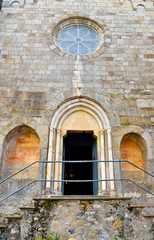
(80, 146)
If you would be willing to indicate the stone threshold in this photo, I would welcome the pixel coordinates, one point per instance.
(84, 198)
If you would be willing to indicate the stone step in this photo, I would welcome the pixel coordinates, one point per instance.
(53, 198)
(13, 217)
(2, 226)
(148, 215)
(27, 207)
(137, 206)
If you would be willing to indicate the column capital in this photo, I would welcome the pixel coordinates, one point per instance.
(58, 131)
(101, 132)
(108, 130)
(51, 128)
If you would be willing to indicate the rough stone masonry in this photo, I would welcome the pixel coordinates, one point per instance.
(37, 78)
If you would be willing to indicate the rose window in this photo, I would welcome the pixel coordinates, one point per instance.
(78, 39)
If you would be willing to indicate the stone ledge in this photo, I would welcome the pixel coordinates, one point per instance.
(148, 215)
(84, 198)
(2, 226)
(27, 208)
(13, 216)
(137, 206)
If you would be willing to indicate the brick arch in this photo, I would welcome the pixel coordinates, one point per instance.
(133, 148)
(21, 147)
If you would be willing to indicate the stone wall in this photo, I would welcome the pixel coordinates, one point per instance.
(80, 219)
(36, 77)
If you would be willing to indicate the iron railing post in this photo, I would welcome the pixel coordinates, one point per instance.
(121, 178)
(41, 185)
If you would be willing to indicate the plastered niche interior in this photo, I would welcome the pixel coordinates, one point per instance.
(133, 149)
(22, 147)
(131, 152)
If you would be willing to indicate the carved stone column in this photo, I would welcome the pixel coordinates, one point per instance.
(57, 165)
(110, 157)
(50, 157)
(103, 165)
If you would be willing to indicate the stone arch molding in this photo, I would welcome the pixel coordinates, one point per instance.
(59, 128)
(13, 3)
(137, 130)
(84, 104)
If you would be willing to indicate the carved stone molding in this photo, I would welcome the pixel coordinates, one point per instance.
(147, 5)
(13, 3)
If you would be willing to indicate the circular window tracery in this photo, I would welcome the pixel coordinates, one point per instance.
(60, 47)
(78, 39)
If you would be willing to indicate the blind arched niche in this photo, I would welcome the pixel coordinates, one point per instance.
(133, 148)
(21, 147)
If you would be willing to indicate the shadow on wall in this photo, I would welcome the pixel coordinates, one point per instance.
(0, 5)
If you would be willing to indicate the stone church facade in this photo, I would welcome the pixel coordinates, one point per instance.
(57, 103)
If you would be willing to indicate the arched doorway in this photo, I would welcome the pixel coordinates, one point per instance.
(73, 119)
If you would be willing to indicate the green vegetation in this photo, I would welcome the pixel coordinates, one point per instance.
(117, 238)
(52, 236)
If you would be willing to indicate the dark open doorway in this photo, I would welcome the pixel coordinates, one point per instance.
(80, 146)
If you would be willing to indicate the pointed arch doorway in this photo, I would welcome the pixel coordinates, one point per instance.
(70, 124)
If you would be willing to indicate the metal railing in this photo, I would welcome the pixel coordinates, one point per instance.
(121, 179)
